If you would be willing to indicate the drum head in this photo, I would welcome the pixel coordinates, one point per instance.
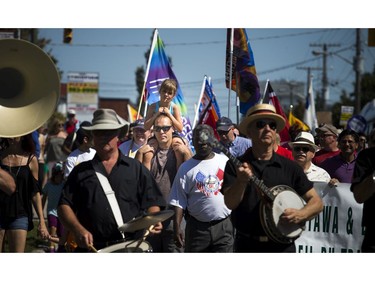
(128, 247)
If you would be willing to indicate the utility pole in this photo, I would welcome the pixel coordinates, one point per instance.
(358, 68)
(324, 53)
(308, 75)
(291, 85)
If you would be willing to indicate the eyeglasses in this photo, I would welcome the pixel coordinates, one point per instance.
(164, 128)
(222, 132)
(305, 149)
(261, 124)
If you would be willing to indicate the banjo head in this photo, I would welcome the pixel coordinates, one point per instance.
(284, 200)
(279, 231)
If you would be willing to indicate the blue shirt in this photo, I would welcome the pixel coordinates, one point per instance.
(237, 147)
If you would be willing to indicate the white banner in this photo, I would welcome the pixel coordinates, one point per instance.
(337, 229)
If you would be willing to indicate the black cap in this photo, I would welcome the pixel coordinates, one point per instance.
(224, 124)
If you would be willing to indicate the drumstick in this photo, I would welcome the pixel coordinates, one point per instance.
(144, 236)
(92, 248)
(148, 232)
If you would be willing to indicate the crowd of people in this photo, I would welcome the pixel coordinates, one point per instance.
(93, 181)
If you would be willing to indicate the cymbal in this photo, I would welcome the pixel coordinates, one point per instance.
(146, 220)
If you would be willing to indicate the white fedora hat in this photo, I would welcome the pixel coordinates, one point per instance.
(106, 119)
(304, 138)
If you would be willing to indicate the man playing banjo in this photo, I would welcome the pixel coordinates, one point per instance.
(264, 189)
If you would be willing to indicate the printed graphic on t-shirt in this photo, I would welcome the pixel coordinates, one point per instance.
(209, 184)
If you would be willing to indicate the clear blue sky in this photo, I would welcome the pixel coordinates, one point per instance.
(194, 34)
(115, 53)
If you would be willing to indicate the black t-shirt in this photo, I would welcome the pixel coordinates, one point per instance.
(364, 166)
(134, 187)
(276, 171)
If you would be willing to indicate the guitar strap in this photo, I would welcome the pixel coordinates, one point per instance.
(111, 197)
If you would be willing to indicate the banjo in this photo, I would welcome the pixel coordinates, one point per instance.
(274, 201)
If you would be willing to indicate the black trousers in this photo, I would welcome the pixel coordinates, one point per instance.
(209, 237)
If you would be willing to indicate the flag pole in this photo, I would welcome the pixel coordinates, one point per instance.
(230, 67)
(264, 93)
(199, 101)
(146, 75)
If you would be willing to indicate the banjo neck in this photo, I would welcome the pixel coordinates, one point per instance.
(259, 183)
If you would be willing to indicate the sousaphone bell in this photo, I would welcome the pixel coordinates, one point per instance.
(29, 87)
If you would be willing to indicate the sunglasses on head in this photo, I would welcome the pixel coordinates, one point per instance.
(305, 149)
(261, 124)
(164, 128)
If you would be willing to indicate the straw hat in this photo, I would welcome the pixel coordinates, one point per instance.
(304, 138)
(261, 111)
(106, 119)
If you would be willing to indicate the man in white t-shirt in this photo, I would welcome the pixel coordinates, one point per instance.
(196, 192)
(83, 153)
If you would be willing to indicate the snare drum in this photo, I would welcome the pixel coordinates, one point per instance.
(128, 247)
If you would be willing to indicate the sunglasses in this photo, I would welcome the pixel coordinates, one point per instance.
(261, 124)
(301, 148)
(221, 132)
(164, 128)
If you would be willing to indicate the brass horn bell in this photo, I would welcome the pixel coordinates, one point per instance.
(29, 87)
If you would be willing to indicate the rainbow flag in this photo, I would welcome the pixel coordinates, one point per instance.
(158, 70)
(244, 76)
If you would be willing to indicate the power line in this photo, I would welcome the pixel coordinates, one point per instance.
(86, 45)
